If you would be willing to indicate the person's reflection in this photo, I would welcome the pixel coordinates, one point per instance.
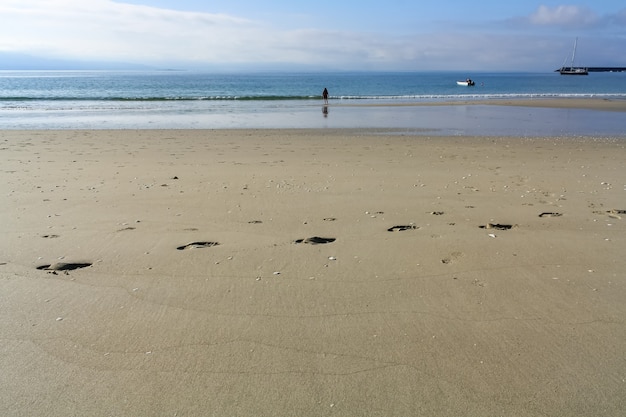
(325, 110)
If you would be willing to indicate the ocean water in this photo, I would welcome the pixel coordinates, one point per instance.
(194, 100)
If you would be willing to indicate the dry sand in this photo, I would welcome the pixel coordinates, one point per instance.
(191, 296)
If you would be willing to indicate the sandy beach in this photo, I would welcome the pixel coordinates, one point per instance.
(323, 272)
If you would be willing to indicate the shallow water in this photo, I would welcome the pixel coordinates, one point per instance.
(186, 100)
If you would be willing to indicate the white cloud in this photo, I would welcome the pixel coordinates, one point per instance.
(567, 16)
(105, 30)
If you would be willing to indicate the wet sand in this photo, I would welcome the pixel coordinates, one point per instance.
(599, 104)
(603, 104)
(311, 273)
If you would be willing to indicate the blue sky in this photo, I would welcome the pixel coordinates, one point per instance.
(486, 35)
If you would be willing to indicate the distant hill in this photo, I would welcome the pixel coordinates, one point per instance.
(18, 61)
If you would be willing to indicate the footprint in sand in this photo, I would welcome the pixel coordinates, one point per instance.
(498, 226)
(197, 245)
(402, 228)
(315, 240)
(452, 258)
(64, 266)
(550, 214)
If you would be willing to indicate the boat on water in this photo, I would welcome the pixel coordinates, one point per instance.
(466, 83)
(573, 70)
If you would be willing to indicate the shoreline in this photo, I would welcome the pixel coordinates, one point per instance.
(324, 134)
(262, 272)
(501, 117)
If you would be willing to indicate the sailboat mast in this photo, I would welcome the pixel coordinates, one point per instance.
(574, 52)
(572, 70)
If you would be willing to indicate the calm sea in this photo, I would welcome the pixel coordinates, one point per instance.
(183, 99)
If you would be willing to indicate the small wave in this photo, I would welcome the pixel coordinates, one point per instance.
(163, 98)
(452, 97)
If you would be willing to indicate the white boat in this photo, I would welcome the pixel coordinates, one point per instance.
(466, 83)
(572, 70)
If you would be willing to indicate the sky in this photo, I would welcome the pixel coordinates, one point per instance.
(390, 35)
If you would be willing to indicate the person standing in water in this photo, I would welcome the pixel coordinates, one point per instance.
(325, 96)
